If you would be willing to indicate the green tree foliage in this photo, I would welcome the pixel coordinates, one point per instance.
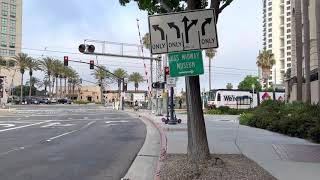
(246, 84)
(229, 86)
(25, 91)
(136, 78)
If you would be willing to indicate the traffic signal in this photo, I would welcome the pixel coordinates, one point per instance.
(82, 48)
(166, 70)
(125, 87)
(91, 48)
(65, 60)
(91, 64)
(156, 85)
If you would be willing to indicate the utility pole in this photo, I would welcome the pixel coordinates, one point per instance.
(298, 31)
(209, 74)
(318, 43)
(306, 47)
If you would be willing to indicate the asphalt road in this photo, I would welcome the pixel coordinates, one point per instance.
(68, 142)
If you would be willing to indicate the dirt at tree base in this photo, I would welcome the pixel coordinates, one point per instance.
(219, 167)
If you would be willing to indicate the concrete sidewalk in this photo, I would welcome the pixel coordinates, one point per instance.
(284, 157)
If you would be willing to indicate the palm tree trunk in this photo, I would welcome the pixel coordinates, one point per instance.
(298, 31)
(65, 87)
(306, 29)
(30, 87)
(318, 44)
(49, 94)
(21, 89)
(209, 74)
(56, 87)
(60, 94)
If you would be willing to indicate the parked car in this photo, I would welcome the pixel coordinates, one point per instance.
(53, 100)
(45, 101)
(64, 101)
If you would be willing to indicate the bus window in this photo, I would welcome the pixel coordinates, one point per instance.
(219, 97)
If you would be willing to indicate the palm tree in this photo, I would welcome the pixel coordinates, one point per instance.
(3, 63)
(229, 86)
(121, 74)
(298, 46)
(21, 60)
(210, 53)
(32, 65)
(265, 61)
(136, 78)
(100, 73)
(47, 66)
(146, 41)
(56, 70)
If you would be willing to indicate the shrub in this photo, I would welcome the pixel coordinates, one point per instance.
(245, 118)
(81, 102)
(295, 119)
(214, 111)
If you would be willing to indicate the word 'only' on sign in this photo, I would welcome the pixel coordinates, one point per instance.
(183, 31)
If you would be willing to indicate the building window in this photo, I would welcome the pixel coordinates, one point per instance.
(270, 40)
(288, 30)
(270, 46)
(288, 36)
(13, 11)
(288, 19)
(288, 25)
(4, 22)
(288, 42)
(288, 65)
(13, 1)
(12, 52)
(269, 19)
(12, 38)
(12, 63)
(288, 53)
(5, 6)
(3, 43)
(269, 30)
(270, 24)
(270, 8)
(3, 52)
(270, 14)
(289, 48)
(288, 13)
(13, 23)
(4, 29)
(288, 59)
(288, 8)
(12, 44)
(269, 35)
(288, 2)
(4, 13)
(270, 3)
(12, 31)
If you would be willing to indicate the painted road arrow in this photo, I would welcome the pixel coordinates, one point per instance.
(187, 27)
(207, 21)
(172, 25)
(157, 28)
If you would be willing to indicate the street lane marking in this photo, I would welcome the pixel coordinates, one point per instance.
(56, 124)
(108, 122)
(19, 127)
(70, 132)
(7, 125)
(12, 150)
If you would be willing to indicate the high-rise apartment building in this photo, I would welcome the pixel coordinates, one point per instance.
(10, 43)
(277, 37)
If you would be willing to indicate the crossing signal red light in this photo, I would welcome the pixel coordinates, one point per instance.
(91, 48)
(65, 60)
(82, 48)
(166, 70)
(91, 64)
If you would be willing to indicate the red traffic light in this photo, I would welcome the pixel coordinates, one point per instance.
(91, 48)
(91, 64)
(82, 48)
(166, 70)
(65, 60)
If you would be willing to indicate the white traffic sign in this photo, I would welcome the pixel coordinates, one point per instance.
(183, 31)
(171, 81)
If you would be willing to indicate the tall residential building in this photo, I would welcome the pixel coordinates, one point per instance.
(277, 37)
(292, 81)
(10, 42)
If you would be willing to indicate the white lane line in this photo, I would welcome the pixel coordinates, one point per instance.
(70, 132)
(19, 127)
(7, 125)
(108, 122)
(13, 150)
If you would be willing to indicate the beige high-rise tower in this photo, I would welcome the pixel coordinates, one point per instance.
(10, 42)
(277, 37)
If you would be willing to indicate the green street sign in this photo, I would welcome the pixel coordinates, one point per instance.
(186, 63)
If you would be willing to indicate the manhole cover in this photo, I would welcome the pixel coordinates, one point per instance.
(298, 153)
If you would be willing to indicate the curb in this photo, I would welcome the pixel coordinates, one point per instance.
(163, 147)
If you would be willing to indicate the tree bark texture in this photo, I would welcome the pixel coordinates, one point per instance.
(298, 30)
(306, 29)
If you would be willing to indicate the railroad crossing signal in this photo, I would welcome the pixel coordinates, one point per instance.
(91, 64)
(86, 48)
(65, 60)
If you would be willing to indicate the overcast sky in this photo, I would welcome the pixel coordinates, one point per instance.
(62, 25)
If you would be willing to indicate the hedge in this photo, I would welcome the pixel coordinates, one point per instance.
(293, 119)
(227, 110)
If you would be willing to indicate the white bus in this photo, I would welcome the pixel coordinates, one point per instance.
(240, 99)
